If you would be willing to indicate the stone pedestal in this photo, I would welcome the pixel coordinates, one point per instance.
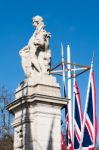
(37, 111)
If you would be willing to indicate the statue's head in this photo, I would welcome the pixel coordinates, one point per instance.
(37, 20)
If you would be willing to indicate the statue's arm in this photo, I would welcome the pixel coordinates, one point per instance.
(24, 49)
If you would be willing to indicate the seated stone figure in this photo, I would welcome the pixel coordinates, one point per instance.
(36, 56)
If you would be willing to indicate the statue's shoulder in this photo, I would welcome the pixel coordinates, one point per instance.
(31, 39)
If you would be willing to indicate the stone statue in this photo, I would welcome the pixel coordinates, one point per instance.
(36, 56)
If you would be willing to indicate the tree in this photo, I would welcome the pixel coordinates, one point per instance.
(6, 129)
(6, 143)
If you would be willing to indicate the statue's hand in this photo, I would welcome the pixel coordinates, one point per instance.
(48, 34)
(39, 41)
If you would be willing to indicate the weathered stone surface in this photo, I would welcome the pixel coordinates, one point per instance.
(37, 121)
(41, 84)
(38, 102)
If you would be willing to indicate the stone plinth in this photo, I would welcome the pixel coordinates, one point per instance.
(37, 111)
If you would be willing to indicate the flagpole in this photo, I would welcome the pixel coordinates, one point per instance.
(63, 70)
(86, 106)
(74, 79)
(69, 87)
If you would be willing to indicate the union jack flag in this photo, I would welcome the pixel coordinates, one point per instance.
(69, 144)
(90, 123)
(63, 144)
(78, 117)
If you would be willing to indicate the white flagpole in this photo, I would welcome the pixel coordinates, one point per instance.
(63, 72)
(86, 106)
(73, 101)
(69, 88)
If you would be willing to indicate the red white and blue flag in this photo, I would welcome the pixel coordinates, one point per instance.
(78, 117)
(63, 144)
(89, 132)
(69, 144)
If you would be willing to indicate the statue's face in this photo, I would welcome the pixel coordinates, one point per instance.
(35, 24)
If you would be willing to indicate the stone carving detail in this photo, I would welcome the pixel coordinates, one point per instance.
(36, 56)
(18, 138)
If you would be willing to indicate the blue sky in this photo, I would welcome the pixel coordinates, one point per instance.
(71, 22)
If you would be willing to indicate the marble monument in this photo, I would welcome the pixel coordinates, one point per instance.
(37, 105)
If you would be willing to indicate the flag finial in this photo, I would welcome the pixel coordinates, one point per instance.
(92, 61)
